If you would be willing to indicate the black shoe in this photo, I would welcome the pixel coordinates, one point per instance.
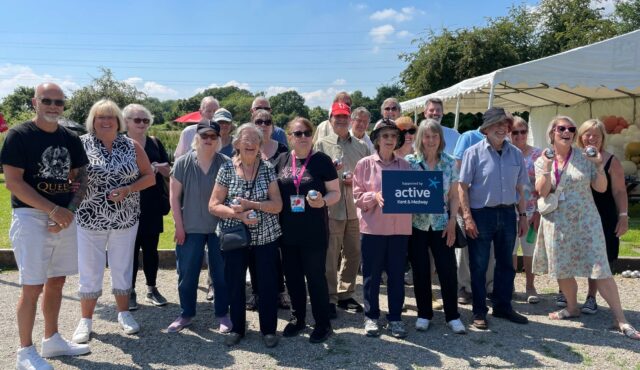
(293, 328)
(490, 296)
(512, 316)
(154, 297)
(210, 293)
(320, 334)
(133, 301)
(333, 314)
(350, 305)
(232, 339)
(252, 303)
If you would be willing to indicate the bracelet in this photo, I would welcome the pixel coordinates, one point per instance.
(546, 173)
(522, 214)
(72, 208)
(623, 214)
(53, 211)
(325, 202)
(259, 206)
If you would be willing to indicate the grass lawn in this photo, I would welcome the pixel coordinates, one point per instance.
(629, 246)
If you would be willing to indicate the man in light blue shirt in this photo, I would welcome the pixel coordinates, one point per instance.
(433, 108)
(492, 179)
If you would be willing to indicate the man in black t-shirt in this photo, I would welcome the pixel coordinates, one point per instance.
(41, 160)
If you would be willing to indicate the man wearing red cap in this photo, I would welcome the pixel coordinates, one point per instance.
(344, 229)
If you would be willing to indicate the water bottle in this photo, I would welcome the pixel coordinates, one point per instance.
(531, 234)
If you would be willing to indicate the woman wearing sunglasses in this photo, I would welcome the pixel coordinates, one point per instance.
(408, 129)
(138, 120)
(570, 238)
(308, 183)
(192, 180)
(519, 134)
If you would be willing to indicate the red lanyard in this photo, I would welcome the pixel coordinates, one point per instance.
(297, 178)
(555, 168)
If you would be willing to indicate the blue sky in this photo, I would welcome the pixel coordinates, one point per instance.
(172, 49)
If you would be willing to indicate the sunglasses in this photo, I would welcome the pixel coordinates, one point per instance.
(56, 102)
(209, 136)
(394, 108)
(263, 108)
(306, 133)
(260, 122)
(411, 131)
(561, 129)
(389, 136)
(146, 121)
(519, 132)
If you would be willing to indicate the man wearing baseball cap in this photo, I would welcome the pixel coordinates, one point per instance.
(344, 229)
(492, 178)
(224, 119)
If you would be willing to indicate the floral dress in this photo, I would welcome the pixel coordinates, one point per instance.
(570, 239)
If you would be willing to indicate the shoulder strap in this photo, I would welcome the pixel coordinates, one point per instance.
(422, 165)
(608, 164)
(155, 141)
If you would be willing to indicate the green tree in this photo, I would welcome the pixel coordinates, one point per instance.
(286, 106)
(627, 14)
(103, 87)
(317, 115)
(17, 105)
(239, 104)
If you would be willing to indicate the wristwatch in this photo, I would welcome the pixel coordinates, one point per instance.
(522, 214)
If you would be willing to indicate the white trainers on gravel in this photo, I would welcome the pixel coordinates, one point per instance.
(83, 331)
(56, 345)
(128, 323)
(457, 326)
(371, 328)
(422, 324)
(29, 359)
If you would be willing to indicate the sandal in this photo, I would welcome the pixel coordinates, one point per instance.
(480, 324)
(561, 315)
(630, 332)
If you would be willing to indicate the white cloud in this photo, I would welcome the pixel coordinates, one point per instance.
(376, 49)
(608, 6)
(381, 33)
(321, 97)
(339, 82)
(152, 88)
(405, 14)
(275, 90)
(403, 34)
(358, 6)
(14, 75)
(240, 85)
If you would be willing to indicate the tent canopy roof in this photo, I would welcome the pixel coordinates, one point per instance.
(604, 70)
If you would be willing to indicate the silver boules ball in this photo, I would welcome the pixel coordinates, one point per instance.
(549, 153)
(591, 151)
(235, 202)
(313, 194)
(347, 175)
(252, 215)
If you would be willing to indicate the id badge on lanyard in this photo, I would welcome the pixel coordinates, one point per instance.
(297, 201)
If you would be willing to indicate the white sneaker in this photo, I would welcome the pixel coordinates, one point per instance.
(128, 323)
(457, 326)
(422, 324)
(29, 359)
(56, 345)
(371, 328)
(83, 331)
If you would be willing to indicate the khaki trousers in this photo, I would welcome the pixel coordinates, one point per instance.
(343, 258)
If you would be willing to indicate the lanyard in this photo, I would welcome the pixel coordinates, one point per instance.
(297, 178)
(555, 168)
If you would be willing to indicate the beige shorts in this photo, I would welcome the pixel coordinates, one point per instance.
(40, 254)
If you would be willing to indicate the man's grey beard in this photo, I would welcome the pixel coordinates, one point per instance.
(51, 118)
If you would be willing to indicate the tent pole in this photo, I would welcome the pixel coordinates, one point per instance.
(415, 116)
(491, 95)
(457, 118)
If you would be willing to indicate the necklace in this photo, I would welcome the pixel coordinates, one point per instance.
(245, 186)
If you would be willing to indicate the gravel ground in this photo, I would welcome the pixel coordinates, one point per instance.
(587, 341)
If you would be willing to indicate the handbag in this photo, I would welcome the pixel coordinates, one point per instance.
(162, 186)
(461, 238)
(234, 237)
(549, 203)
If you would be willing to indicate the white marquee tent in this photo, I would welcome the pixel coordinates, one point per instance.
(596, 80)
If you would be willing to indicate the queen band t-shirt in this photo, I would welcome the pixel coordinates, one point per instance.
(47, 159)
(298, 227)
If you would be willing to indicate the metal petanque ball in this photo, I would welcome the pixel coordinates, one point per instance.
(252, 215)
(313, 195)
(591, 151)
(235, 202)
(549, 153)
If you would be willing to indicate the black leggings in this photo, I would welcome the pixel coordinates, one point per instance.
(150, 260)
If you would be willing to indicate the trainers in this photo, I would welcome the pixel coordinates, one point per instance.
(270, 340)
(397, 329)
(464, 297)
(128, 323)
(422, 324)
(561, 300)
(180, 323)
(252, 302)
(284, 302)
(133, 301)
(590, 306)
(225, 324)
(457, 326)
(350, 304)
(408, 278)
(29, 359)
(154, 297)
(294, 327)
(320, 334)
(83, 331)
(58, 346)
(371, 328)
(210, 293)
(435, 304)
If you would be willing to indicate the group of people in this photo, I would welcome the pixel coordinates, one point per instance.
(311, 200)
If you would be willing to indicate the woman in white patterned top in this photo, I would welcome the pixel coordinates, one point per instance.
(252, 181)
(118, 170)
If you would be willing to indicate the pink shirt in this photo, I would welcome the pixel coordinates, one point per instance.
(367, 181)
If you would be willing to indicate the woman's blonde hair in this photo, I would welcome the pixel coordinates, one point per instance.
(586, 126)
(432, 126)
(104, 106)
(554, 122)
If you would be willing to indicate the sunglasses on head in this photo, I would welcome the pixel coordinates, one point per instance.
(56, 102)
(260, 122)
(209, 136)
(268, 109)
(561, 129)
(519, 132)
(306, 133)
(146, 121)
(411, 131)
(394, 108)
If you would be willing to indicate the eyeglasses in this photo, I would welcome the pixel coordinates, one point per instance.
(260, 122)
(56, 102)
(411, 131)
(146, 121)
(268, 109)
(306, 133)
(561, 129)
(209, 136)
(394, 108)
(389, 136)
(519, 132)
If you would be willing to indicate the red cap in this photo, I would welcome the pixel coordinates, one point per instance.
(339, 108)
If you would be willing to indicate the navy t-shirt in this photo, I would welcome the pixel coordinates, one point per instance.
(46, 158)
(312, 224)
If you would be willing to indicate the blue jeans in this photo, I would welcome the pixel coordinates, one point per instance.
(383, 253)
(497, 225)
(189, 264)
